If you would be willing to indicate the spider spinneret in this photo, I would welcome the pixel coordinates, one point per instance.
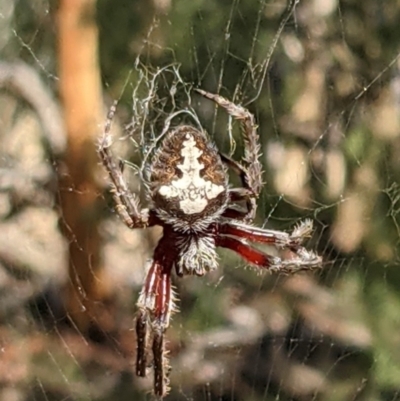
(191, 199)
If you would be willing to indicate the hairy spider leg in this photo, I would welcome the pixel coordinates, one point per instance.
(142, 338)
(156, 303)
(248, 253)
(240, 194)
(280, 239)
(253, 170)
(147, 307)
(127, 204)
(234, 236)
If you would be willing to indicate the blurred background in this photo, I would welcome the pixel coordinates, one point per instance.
(322, 78)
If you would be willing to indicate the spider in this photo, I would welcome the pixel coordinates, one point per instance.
(190, 197)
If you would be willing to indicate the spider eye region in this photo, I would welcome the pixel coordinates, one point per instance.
(187, 175)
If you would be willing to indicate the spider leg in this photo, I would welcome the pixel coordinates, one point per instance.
(236, 167)
(156, 303)
(235, 236)
(142, 321)
(307, 260)
(253, 169)
(240, 194)
(127, 204)
(251, 255)
(280, 239)
(146, 305)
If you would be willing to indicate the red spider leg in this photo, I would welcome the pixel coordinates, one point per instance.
(271, 237)
(146, 302)
(279, 239)
(251, 255)
(156, 302)
(306, 261)
(163, 306)
(142, 339)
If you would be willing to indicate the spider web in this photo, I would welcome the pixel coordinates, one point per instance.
(322, 79)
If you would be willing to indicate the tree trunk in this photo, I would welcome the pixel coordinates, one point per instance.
(80, 90)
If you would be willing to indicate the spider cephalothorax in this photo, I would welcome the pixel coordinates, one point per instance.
(190, 198)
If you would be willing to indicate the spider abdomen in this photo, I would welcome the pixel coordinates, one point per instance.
(188, 180)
